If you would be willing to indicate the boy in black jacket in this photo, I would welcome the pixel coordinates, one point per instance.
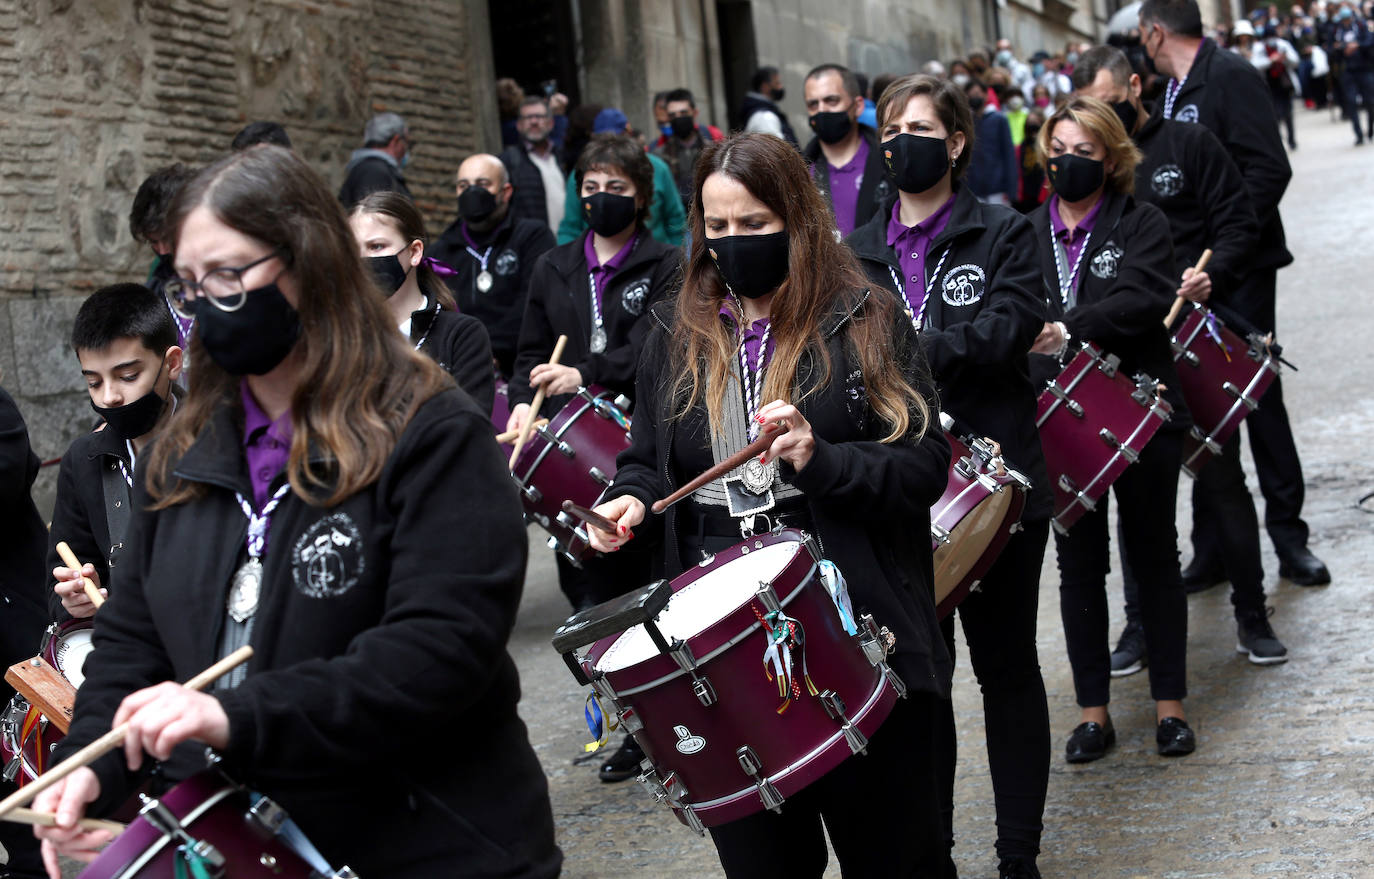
(126, 344)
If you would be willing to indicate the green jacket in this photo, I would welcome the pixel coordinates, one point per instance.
(667, 217)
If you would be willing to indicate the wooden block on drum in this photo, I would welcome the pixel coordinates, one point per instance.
(45, 688)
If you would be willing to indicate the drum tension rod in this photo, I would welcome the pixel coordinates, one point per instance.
(548, 436)
(682, 655)
(162, 818)
(1250, 402)
(1074, 407)
(1130, 454)
(835, 707)
(749, 762)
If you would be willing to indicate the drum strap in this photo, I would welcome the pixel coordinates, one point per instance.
(734, 437)
(116, 492)
(294, 838)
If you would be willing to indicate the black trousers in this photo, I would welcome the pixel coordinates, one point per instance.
(1224, 512)
(1283, 109)
(1145, 494)
(999, 623)
(879, 810)
(1354, 84)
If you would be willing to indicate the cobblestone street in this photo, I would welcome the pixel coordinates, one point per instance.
(1283, 778)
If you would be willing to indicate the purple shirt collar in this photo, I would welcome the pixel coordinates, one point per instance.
(266, 445)
(601, 273)
(1073, 241)
(753, 335)
(911, 244)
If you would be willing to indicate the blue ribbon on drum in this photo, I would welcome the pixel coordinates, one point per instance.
(294, 838)
(834, 583)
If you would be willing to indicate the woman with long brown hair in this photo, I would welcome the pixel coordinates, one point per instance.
(304, 500)
(776, 326)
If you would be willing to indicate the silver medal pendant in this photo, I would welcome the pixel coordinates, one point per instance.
(598, 340)
(758, 477)
(245, 589)
(484, 281)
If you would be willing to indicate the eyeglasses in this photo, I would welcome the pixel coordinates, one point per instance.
(534, 117)
(222, 286)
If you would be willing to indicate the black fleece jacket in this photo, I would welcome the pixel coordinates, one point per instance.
(382, 628)
(1125, 289)
(458, 343)
(978, 345)
(869, 501)
(79, 515)
(23, 583)
(874, 188)
(560, 303)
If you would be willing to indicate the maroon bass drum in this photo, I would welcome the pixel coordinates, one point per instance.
(1093, 423)
(209, 826)
(572, 458)
(1222, 377)
(752, 682)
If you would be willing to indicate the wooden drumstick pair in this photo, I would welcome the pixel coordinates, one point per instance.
(1180, 301)
(537, 404)
(70, 560)
(765, 439)
(106, 743)
(512, 435)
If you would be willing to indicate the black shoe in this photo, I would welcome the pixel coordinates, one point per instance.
(1254, 636)
(1202, 575)
(1302, 568)
(1089, 741)
(1129, 655)
(623, 764)
(1175, 738)
(1017, 868)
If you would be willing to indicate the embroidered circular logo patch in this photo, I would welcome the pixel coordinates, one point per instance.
(963, 285)
(1105, 264)
(1167, 181)
(327, 559)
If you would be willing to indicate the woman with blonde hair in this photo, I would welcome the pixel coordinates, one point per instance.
(776, 325)
(1108, 263)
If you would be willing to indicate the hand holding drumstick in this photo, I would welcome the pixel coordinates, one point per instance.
(1197, 287)
(77, 585)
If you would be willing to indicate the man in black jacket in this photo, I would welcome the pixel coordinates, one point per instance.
(760, 111)
(533, 167)
(492, 253)
(1223, 92)
(377, 166)
(846, 162)
(1187, 174)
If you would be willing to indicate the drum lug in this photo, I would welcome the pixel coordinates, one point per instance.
(701, 686)
(629, 720)
(1130, 454)
(162, 818)
(552, 439)
(965, 468)
(532, 494)
(12, 767)
(1075, 408)
(835, 707)
(876, 642)
(939, 533)
(649, 779)
(595, 473)
(1212, 445)
(1059, 527)
(1067, 486)
(768, 598)
(1016, 528)
(705, 693)
(895, 680)
(268, 815)
(1021, 479)
(603, 688)
(1108, 365)
(1250, 402)
(749, 762)
(622, 402)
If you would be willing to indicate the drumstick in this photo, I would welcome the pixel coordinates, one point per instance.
(538, 402)
(591, 517)
(756, 447)
(112, 739)
(1180, 301)
(70, 560)
(23, 815)
(510, 435)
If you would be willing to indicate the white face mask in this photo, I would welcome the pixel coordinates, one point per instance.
(960, 79)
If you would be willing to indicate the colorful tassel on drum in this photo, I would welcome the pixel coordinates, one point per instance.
(597, 724)
(189, 864)
(1211, 323)
(784, 635)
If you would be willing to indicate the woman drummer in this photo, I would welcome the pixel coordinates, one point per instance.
(1109, 265)
(304, 500)
(391, 238)
(776, 327)
(969, 277)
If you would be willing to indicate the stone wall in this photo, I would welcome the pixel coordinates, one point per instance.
(96, 94)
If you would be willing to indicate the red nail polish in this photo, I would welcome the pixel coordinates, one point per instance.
(620, 528)
(759, 419)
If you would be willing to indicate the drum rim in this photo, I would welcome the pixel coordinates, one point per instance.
(225, 788)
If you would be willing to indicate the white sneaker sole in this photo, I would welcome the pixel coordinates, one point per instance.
(1261, 660)
(1129, 670)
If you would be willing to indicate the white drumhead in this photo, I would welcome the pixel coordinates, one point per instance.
(72, 650)
(699, 604)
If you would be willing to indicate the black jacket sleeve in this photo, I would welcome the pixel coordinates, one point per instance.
(615, 367)
(537, 337)
(469, 361)
(637, 467)
(1231, 223)
(71, 522)
(1252, 138)
(1140, 295)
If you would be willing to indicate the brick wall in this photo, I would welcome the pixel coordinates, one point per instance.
(96, 94)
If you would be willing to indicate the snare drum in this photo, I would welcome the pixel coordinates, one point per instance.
(721, 741)
(974, 518)
(228, 830)
(1222, 378)
(1093, 423)
(26, 737)
(572, 458)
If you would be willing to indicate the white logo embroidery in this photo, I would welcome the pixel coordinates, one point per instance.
(507, 264)
(633, 298)
(1167, 181)
(328, 558)
(1104, 265)
(963, 285)
(686, 742)
(1187, 113)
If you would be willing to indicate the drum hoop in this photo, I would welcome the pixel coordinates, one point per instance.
(194, 814)
(1093, 356)
(812, 573)
(806, 759)
(1117, 455)
(558, 434)
(1196, 330)
(960, 496)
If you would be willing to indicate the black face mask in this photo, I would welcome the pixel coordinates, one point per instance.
(976, 104)
(1126, 112)
(133, 420)
(777, 95)
(915, 163)
(682, 126)
(476, 204)
(608, 214)
(832, 126)
(254, 339)
(752, 265)
(388, 271)
(1074, 178)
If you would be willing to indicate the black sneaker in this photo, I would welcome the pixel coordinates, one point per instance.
(1254, 636)
(623, 764)
(1017, 868)
(1129, 655)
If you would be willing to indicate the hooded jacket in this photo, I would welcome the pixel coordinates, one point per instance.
(368, 171)
(977, 342)
(875, 187)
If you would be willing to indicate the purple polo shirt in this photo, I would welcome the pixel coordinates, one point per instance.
(844, 188)
(1073, 241)
(911, 244)
(266, 445)
(753, 335)
(602, 274)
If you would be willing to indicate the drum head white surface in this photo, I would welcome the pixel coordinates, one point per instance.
(698, 605)
(72, 649)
